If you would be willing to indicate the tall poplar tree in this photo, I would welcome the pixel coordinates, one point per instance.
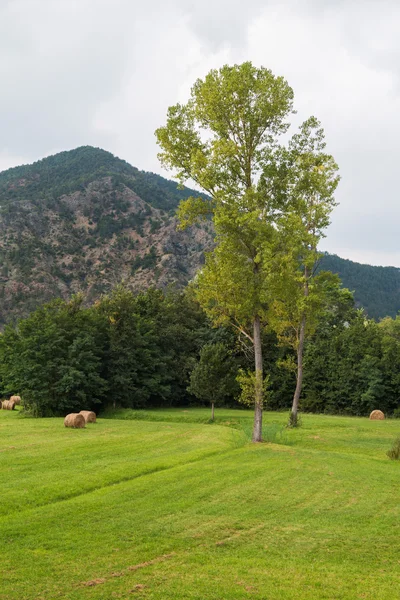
(223, 139)
(226, 140)
(299, 292)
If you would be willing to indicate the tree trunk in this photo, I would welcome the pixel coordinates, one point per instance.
(258, 400)
(300, 349)
(212, 411)
(299, 375)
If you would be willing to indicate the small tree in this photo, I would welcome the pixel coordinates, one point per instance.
(213, 378)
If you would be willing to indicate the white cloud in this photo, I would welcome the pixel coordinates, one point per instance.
(103, 72)
(358, 102)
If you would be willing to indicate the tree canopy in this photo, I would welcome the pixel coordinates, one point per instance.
(139, 351)
(228, 139)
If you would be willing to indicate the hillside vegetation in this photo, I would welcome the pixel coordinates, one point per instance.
(179, 510)
(376, 289)
(84, 220)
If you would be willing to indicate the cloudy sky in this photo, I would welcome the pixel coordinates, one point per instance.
(103, 72)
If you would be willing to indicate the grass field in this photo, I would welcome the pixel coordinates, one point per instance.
(165, 505)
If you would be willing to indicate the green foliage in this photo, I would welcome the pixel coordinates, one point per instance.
(222, 139)
(153, 341)
(394, 452)
(269, 201)
(294, 420)
(226, 105)
(129, 350)
(352, 363)
(107, 226)
(133, 362)
(155, 225)
(376, 289)
(247, 383)
(148, 261)
(213, 378)
(67, 172)
(181, 329)
(55, 359)
(140, 351)
(299, 295)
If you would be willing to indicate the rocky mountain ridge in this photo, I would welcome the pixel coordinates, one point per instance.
(84, 220)
(98, 233)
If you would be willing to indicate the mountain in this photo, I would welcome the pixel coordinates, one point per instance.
(84, 220)
(376, 289)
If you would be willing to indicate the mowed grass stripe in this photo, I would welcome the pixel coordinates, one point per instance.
(260, 521)
(43, 462)
(324, 432)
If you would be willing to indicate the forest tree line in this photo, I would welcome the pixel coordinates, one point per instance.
(148, 349)
(376, 289)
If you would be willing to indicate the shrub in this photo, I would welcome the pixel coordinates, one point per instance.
(294, 420)
(394, 452)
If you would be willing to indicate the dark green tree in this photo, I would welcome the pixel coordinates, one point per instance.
(55, 358)
(213, 378)
(135, 364)
(181, 329)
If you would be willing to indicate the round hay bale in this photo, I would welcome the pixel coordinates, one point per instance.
(16, 399)
(377, 415)
(75, 420)
(89, 416)
(8, 405)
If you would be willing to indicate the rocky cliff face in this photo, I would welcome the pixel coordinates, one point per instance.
(61, 234)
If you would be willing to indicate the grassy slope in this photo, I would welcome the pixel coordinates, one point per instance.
(190, 511)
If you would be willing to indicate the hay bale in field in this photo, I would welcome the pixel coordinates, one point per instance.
(89, 416)
(75, 420)
(377, 415)
(8, 405)
(16, 399)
